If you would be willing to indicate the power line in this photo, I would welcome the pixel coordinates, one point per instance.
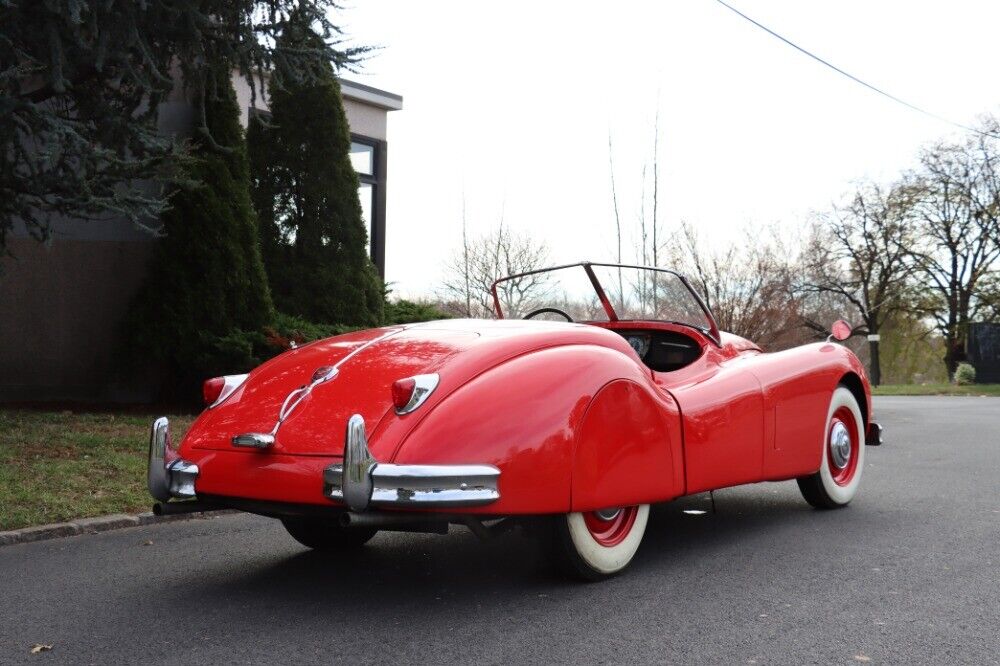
(815, 57)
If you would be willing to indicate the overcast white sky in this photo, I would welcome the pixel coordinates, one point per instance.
(512, 103)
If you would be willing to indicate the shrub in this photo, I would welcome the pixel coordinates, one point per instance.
(306, 193)
(965, 374)
(240, 350)
(207, 283)
(287, 329)
(406, 312)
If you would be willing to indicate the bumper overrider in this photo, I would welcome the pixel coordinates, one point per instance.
(169, 476)
(359, 481)
(874, 435)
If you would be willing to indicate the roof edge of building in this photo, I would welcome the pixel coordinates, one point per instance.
(370, 95)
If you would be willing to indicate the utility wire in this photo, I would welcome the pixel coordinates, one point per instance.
(815, 57)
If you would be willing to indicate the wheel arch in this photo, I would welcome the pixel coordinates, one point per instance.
(856, 386)
(628, 449)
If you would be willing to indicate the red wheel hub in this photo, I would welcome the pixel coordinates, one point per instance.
(610, 527)
(843, 446)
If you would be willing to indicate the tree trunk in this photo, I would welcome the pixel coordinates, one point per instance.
(951, 354)
(874, 365)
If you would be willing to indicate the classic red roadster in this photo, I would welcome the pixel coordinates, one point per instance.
(573, 427)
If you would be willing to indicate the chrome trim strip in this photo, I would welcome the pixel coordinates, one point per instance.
(371, 483)
(295, 398)
(425, 385)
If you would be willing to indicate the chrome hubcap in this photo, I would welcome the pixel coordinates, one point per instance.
(840, 445)
(608, 514)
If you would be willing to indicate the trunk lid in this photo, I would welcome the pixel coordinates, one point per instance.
(362, 386)
(368, 363)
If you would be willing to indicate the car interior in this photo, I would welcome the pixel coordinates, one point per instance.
(661, 350)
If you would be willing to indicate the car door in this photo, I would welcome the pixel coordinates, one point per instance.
(722, 412)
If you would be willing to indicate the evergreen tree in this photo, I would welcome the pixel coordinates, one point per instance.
(81, 82)
(306, 192)
(207, 284)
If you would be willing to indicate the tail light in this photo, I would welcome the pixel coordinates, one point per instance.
(411, 392)
(402, 392)
(217, 389)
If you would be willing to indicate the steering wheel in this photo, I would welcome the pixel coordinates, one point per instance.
(532, 315)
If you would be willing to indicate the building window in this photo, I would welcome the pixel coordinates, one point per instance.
(365, 160)
(366, 193)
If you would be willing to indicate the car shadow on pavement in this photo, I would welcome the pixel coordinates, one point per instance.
(410, 568)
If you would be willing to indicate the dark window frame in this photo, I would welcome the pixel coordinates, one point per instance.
(376, 225)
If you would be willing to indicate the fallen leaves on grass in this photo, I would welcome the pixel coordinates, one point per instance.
(40, 647)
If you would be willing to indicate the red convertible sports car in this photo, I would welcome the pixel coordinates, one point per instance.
(571, 427)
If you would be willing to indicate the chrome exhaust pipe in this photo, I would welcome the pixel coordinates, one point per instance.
(394, 522)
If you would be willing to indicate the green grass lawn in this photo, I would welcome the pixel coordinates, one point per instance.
(937, 389)
(55, 466)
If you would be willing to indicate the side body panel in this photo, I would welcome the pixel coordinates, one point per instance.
(797, 386)
(722, 408)
(749, 416)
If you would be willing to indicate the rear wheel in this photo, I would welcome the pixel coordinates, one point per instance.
(839, 475)
(326, 534)
(598, 544)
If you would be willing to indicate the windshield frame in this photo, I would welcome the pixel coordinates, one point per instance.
(712, 331)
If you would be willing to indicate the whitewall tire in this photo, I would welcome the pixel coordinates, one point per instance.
(843, 461)
(598, 544)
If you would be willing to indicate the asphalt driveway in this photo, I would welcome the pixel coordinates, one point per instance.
(907, 574)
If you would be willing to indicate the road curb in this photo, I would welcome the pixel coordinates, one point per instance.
(99, 524)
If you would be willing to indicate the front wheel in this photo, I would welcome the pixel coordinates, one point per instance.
(839, 475)
(598, 544)
(326, 534)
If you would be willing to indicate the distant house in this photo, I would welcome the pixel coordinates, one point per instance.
(982, 349)
(62, 305)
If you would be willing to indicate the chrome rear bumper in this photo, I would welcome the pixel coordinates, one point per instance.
(360, 481)
(874, 435)
(168, 476)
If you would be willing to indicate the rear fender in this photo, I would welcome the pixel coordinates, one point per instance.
(629, 448)
(526, 416)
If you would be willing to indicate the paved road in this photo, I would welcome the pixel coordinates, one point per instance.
(907, 574)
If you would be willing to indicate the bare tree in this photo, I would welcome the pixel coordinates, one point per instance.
(958, 211)
(746, 285)
(989, 297)
(656, 186)
(618, 221)
(656, 205)
(475, 266)
(860, 252)
(466, 264)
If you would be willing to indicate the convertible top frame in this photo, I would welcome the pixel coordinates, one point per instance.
(712, 332)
